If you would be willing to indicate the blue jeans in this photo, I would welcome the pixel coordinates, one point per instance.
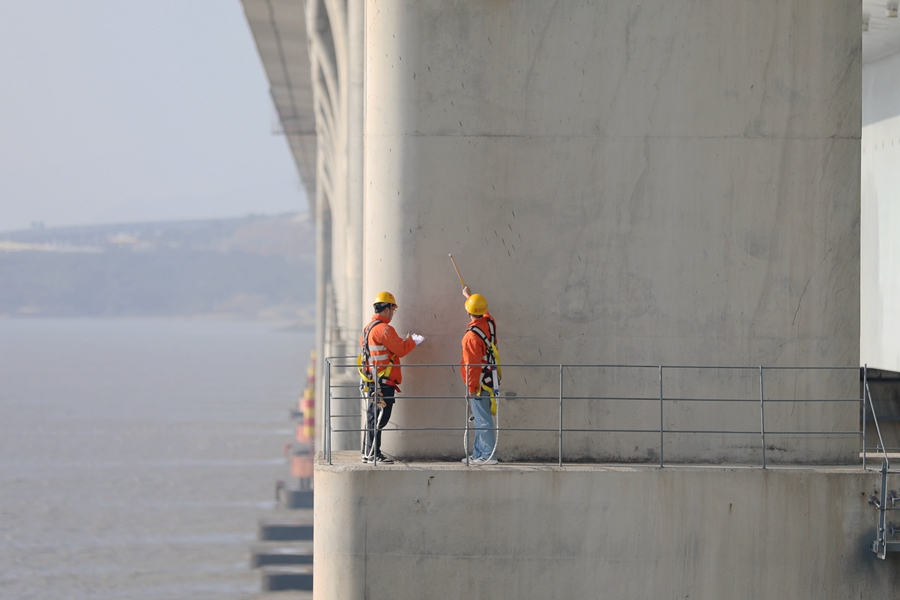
(485, 436)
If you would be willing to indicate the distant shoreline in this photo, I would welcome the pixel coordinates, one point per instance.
(287, 323)
(143, 225)
(256, 268)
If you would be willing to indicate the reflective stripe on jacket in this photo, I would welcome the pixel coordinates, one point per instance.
(386, 347)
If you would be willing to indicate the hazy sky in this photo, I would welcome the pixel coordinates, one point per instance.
(136, 110)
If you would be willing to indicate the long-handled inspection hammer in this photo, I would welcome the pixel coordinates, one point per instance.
(469, 416)
(457, 270)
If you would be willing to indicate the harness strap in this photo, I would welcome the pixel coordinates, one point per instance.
(489, 382)
(363, 360)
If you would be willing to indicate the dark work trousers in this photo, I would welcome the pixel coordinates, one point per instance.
(371, 414)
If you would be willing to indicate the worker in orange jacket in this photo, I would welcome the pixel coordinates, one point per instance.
(481, 376)
(382, 349)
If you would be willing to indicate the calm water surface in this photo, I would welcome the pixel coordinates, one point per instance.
(136, 456)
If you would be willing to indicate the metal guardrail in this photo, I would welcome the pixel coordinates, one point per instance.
(867, 395)
(347, 366)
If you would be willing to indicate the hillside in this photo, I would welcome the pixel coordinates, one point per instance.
(253, 267)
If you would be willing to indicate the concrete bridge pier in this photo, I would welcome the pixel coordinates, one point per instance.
(662, 183)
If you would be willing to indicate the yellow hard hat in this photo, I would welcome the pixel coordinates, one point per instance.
(476, 305)
(385, 298)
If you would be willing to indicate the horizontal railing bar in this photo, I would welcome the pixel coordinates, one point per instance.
(406, 397)
(619, 399)
(456, 397)
(809, 400)
(686, 399)
(755, 400)
(715, 431)
(606, 366)
(399, 429)
(756, 368)
(757, 432)
(689, 399)
(389, 429)
(807, 368)
(812, 432)
(641, 398)
(654, 431)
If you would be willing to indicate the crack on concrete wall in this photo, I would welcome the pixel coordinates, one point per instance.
(800, 300)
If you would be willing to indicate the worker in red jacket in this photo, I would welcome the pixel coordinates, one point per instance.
(381, 350)
(478, 367)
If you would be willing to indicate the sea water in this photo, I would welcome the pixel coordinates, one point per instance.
(137, 456)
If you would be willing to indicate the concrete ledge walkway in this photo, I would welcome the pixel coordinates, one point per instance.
(630, 530)
(350, 460)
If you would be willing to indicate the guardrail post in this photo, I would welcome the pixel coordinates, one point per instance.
(660, 417)
(862, 399)
(559, 463)
(466, 426)
(762, 417)
(327, 420)
(881, 444)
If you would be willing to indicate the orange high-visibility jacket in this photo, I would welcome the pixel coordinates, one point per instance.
(386, 347)
(474, 353)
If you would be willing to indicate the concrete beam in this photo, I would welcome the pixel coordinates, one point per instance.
(430, 530)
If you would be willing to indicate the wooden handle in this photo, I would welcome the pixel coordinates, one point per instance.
(457, 270)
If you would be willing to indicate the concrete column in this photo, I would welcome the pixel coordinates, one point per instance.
(323, 268)
(664, 182)
(328, 36)
(355, 103)
(336, 52)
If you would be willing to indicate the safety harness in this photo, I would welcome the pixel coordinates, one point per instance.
(490, 380)
(364, 366)
(491, 371)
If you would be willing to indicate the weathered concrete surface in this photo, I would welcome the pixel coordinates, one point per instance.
(663, 182)
(880, 224)
(433, 530)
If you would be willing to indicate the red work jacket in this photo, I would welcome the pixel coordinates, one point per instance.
(474, 352)
(386, 348)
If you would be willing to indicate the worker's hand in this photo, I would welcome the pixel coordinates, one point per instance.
(418, 339)
(467, 291)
